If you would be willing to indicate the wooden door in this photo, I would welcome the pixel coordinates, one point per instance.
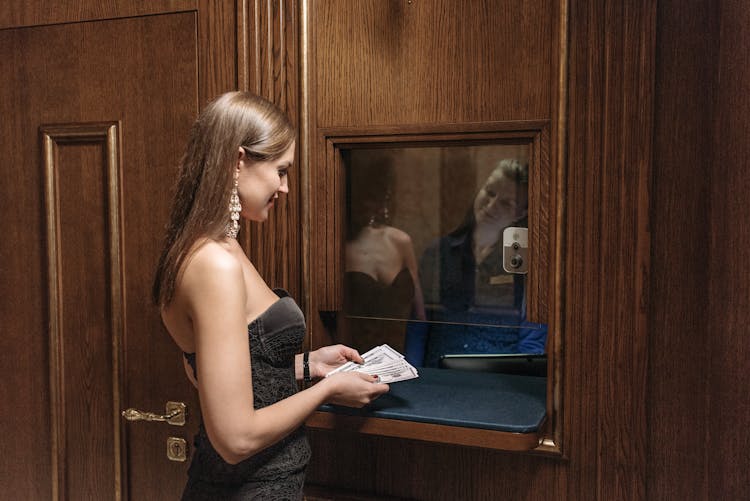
(94, 120)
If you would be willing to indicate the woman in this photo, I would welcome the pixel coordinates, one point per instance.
(381, 286)
(214, 304)
(481, 307)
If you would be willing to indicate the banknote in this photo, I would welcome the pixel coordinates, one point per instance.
(383, 361)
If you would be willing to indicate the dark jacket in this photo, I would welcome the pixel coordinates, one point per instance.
(470, 308)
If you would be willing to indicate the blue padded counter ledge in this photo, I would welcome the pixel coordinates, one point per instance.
(502, 402)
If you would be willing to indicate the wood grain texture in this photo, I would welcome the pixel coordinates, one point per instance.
(680, 331)
(216, 36)
(137, 72)
(24, 306)
(275, 247)
(606, 256)
(398, 62)
(454, 435)
(609, 158)
(728, 334)
(682, 437)
(373, 77)
(156, 120)
(19, 13)
(86, 307)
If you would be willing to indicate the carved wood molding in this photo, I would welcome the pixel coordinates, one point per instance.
(107, 135)
(267, 66)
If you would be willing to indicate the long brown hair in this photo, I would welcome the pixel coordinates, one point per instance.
(200, 207)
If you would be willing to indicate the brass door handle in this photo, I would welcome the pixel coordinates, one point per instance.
(175, 414)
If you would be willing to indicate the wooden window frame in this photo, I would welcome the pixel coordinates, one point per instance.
(324, 268)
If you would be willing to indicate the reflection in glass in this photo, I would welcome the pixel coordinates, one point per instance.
(380, 270)
(424, 253)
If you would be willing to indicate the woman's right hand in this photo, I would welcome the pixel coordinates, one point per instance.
(353, 389)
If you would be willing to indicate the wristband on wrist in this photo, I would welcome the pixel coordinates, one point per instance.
(306, 368)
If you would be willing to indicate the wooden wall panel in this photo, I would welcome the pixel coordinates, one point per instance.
(18, 13)
(728, 298)
(700, 348)
(607, 161)
(680, 331)
(607, 262)
(397, 62)
(216, 37)
(386, 65)
(687, 404)
(23, 307)
(268, 67)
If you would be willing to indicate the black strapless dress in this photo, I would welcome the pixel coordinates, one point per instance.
(278, 472)
(386, 308)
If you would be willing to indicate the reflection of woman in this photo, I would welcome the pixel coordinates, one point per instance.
(215, 304)
(381, 286)
(463, 277)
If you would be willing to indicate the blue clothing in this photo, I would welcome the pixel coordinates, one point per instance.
(471, 308)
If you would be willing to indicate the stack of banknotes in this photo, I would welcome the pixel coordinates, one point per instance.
(383, 361)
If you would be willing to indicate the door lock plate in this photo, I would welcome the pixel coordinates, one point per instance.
(177, 449)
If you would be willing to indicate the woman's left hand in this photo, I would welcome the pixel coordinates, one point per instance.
(325, 359)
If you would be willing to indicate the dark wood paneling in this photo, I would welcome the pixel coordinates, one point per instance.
(216, 37)
(680, 334)
(606, 252)
(609, 160)
(17, 13)
(154, 136)
(693, 413)
(408, 469)
(269, 68)
(141, 73)
(607, 260)
(86, 307)
(397, 62)
(23, 307)
(378, 66)
(728, 334)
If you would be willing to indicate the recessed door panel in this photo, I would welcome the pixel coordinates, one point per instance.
(94, 120)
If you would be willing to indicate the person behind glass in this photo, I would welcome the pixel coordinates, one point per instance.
(215, 304)
(481, 307)
(381, 286)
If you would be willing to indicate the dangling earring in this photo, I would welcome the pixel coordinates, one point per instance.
(233, 227)
(386, 203)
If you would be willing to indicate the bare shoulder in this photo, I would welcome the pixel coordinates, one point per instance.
(209, 281)
(398, 237)
(212, 256)
(210, 268)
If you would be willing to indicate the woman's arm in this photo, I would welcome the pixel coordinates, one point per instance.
(215, 291)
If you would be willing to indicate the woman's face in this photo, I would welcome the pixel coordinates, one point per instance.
(261, 182)
(496, 201)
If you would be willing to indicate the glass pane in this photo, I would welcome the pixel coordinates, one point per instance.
(424, 251)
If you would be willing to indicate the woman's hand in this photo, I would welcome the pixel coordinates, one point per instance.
(325, 359)
(353, 389)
